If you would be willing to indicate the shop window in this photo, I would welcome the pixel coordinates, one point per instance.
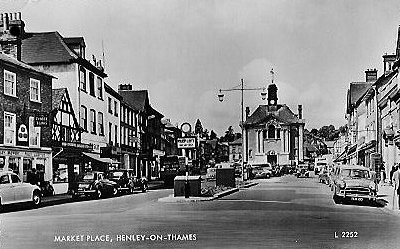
(60, 173)
(27, 167)
(40, 168)
(13, 165)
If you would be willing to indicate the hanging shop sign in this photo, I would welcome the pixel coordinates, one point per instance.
(41, 119)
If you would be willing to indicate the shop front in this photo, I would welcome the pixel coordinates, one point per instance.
(22, 160)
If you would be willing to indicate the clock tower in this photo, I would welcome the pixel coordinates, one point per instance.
(272, 91)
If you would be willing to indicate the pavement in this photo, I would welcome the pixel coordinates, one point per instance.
(386, 197)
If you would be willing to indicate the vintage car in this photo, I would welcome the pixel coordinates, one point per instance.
(126, 180)
(261, 171)
(13, 190)
(94, 184)
(355, 183)
(302, 171)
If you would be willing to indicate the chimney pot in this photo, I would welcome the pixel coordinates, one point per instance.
(5, 21)
(19, 16)
(10, 16)
(300, 110)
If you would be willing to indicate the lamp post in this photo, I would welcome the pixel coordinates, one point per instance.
(242, 89)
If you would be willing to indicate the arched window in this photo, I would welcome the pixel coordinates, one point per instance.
(271, 131)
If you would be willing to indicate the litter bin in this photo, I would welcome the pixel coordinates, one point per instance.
(194, 185)
(225, 177)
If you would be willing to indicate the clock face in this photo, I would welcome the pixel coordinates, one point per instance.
(272, 102)
(185, 127)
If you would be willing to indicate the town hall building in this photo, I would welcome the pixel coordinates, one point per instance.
(273, 133)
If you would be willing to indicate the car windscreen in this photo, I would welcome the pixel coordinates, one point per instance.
(359, 173)
(356, 173)
(88, 176)
(115, 174)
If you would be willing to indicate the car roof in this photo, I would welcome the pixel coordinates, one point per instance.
(347, 166)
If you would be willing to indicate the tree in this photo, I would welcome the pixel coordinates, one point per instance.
(213, 135)
(198, 128)
(229, 135)
(205, 134)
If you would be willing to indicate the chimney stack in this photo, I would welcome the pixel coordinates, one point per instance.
(371, 75)
(388, 61)
(11, 33)
(300, 111)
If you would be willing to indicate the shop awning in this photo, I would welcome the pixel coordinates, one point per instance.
(99, 159)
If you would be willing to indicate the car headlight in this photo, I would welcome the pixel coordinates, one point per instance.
(372, 186)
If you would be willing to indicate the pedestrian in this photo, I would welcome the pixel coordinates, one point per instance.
(394, 168)
(396, 182)
(34, 179)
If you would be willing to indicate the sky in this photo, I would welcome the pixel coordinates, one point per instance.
(184, 51)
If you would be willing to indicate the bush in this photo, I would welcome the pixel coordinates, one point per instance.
(210, 191)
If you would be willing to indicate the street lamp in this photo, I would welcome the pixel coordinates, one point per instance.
(242, 89)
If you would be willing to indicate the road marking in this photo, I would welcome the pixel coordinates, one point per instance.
(284, 202)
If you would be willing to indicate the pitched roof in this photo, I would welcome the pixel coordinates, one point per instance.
(52, 48)
(57, 95)
(139, 101)
(45, 47)
(282, 113)
(355, 92)
(136, 99)
(12, 60)
(74, 40)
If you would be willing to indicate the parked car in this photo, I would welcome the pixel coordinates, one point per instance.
(302, 171)
(355, 183)
(94, 184)
(126, 180)
(13, 190)
(260, 172)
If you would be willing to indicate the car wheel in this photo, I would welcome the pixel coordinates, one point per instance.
(99, 194)
(144, 187)
(36, 198)
(115, 191)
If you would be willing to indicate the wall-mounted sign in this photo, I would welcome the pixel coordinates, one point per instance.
(22, 133)
(41, 119)
(186, 142)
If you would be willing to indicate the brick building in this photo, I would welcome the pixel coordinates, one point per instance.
(26, 94)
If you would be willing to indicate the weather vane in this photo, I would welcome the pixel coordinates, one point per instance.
(272, 75)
